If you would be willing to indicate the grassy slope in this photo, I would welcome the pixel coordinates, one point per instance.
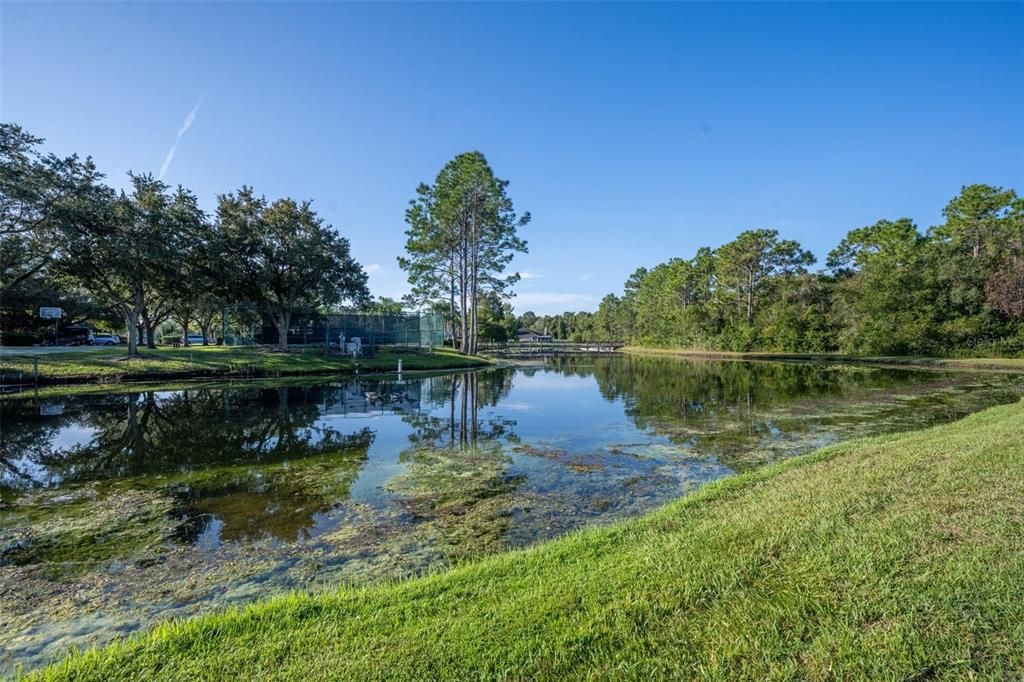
(110, 364)
(1002, 364)
(893, 557)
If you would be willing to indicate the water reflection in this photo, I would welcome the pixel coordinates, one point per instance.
(142, 504)
(458, 479)
(134, 434)
(748, 413)
(460, 399)
(246, 461)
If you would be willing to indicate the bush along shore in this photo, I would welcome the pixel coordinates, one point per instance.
(103, 365)
(894, 557)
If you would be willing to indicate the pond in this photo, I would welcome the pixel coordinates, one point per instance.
(123, 508)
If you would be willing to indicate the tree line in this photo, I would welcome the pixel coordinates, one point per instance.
(886, 289)
(149, 254)
(137, 258)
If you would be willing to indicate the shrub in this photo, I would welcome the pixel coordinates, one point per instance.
(19, 338)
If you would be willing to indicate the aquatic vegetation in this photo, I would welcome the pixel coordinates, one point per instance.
(440, 478)
(578, 462)
(280, 500)
(859, 558)
(122, 508)
(462, 499)
(69, 530)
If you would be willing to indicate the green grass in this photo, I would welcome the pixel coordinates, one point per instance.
(896, 557)
(995, 364)
(109, 365)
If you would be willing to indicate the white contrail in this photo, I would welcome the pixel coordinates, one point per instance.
(181, 132)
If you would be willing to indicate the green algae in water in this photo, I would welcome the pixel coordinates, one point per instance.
(118, 509)
(465, 498)
(435, 478)
(75, 529)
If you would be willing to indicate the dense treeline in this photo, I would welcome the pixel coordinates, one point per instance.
(135, 259)
(568, 326)
(888, 288)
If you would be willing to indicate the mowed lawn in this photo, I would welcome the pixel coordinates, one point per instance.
(897, 557)
(102, 364)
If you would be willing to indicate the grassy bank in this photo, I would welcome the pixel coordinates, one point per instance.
(893, 557)
(110, 365)
(989, 364)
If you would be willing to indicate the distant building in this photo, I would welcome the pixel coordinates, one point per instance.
(528, 335)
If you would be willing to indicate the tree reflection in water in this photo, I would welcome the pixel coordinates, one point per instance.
(745, 414)
(456, 483)
(251, 461)
(464, 395)
(174, 501)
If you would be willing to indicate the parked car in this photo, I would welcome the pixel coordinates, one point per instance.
(75, 336)
(195, 339)
(105, 339)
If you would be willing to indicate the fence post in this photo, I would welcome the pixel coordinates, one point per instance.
(35, 368)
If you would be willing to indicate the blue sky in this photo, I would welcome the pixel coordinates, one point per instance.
(632, 132)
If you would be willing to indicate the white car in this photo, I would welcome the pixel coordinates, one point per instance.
(105, 339)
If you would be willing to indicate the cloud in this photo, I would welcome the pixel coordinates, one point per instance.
(372, 268)
(181, 133)
(586, 278)
(531, 274)
(538, 298)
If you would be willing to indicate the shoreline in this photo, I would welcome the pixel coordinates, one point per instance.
(816, 536)
(111, 367)
(1012, 365)
(55, 390)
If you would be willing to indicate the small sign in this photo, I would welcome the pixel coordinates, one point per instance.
(51, 313)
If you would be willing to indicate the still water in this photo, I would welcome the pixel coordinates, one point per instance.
(120, 509)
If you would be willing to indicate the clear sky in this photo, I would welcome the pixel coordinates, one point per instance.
(632, 132)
